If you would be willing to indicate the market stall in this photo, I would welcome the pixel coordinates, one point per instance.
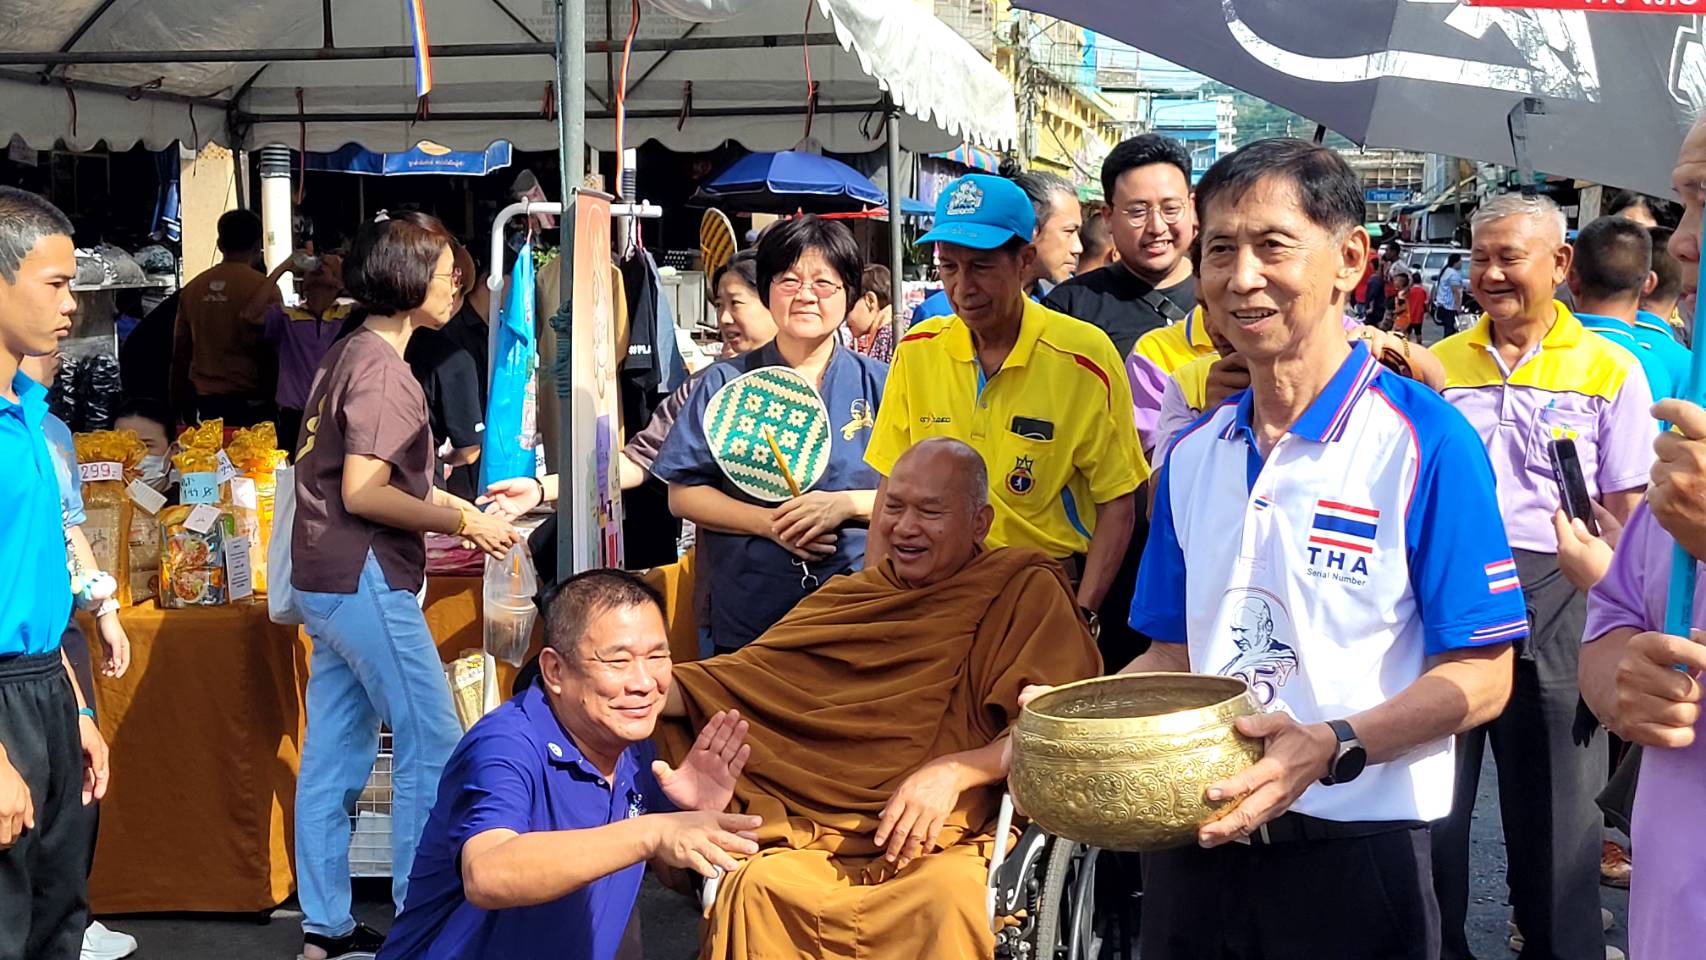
(206, 727)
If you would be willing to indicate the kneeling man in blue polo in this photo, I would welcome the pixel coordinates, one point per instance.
(552, 804)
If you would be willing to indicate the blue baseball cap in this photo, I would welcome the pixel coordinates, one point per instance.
(982, 212)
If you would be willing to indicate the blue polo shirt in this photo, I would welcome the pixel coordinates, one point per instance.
(35, 594)
(1654, 364)
(1654, 333)
(753, 581)
(518, 769)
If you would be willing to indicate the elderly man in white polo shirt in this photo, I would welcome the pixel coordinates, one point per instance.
(1331, 536)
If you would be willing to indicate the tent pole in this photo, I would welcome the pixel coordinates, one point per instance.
(571, 145)
(896, 303)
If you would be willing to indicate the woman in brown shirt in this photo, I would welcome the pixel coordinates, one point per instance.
(365, 498)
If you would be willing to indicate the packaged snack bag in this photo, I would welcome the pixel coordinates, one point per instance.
(254, 453)
(107, 462)
(192, 562)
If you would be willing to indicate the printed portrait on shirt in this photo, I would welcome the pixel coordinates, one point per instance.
(1259, 626)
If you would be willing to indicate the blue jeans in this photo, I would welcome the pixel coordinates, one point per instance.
(374, 661)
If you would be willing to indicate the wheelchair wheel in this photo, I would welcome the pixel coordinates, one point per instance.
(1065, 927)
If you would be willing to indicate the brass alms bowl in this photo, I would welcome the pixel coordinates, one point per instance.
(1124, 762)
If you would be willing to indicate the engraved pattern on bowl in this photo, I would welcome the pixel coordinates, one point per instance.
(1123, 762)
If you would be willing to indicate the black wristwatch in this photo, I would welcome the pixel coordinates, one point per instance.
(1349, 758)
(1094, 620)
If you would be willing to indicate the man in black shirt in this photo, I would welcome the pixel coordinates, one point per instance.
(455, 391)
(1147, 181)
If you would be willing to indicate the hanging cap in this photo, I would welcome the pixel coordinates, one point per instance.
(982, 212)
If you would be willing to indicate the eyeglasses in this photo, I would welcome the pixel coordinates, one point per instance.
(454, 276)
(821, 289)
(1170, 212)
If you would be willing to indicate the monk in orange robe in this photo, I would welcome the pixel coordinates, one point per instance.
(880, 708)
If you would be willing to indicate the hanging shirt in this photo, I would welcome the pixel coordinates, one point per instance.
(35, 595)
(755, 582)
(1327, 573)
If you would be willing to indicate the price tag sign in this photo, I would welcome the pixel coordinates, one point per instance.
(146, 496)
(202, 519)
(243, 493)
(227, 470)
(239, 575)
(199, 488)
(98, 472)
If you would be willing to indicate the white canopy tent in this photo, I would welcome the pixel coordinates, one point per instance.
(332, 72)
(318, 74)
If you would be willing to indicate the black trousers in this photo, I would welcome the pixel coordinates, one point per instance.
(44, 896)
(1550, 770)
(1364, 898)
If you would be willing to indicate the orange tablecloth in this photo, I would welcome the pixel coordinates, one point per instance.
(206, 738)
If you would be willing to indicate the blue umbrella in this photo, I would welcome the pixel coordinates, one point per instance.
(789, 180)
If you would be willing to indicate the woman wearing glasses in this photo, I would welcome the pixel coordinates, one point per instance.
(364, 497)
(763, 558)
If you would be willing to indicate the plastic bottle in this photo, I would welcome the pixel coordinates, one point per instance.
(510, 585)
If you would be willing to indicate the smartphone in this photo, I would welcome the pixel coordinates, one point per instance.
(1567, 467)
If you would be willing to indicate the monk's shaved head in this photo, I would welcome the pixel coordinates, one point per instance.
(948, 464)
(935, 510)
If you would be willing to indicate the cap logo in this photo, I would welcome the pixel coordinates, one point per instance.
(966, 199)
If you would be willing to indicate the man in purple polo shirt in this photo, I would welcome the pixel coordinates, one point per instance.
(1527, 374)
(1628, 673)
(552, 804)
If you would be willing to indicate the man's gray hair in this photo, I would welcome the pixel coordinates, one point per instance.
(1539, 208)
(25, 218)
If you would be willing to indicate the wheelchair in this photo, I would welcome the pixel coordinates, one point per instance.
(1041, 899)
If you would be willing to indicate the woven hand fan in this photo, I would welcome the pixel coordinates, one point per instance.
(783, 402)
(716, 243)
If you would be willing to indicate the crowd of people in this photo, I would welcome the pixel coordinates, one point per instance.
(1191, 431)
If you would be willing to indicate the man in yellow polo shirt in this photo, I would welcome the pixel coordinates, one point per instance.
(1040, 395)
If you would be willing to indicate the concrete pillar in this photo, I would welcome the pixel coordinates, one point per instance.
(274, 164)
(207, 187)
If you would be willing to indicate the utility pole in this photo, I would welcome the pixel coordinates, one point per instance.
(1027, 87)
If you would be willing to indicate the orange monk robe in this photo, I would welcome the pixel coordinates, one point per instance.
(863, 683)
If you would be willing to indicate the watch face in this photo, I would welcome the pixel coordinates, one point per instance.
(1349, 765)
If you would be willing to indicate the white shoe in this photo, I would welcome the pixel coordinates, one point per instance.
(99, 943)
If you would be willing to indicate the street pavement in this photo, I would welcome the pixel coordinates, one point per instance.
(671, 921)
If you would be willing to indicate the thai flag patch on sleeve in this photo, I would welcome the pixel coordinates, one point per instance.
(1501, 577)
(1344, 527)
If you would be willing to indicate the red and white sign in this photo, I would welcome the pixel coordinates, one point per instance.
(1599, 6)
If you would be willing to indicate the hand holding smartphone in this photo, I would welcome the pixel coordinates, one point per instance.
(1572, 486)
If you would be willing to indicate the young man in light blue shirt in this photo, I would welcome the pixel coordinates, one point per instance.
(53, 762)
